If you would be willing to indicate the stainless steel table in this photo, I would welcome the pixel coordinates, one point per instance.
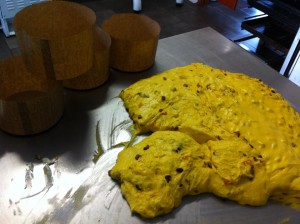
(79, 191)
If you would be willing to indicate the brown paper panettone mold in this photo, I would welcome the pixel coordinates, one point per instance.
(134, 41)
(99, 72)
(28, 104)
(56, 38)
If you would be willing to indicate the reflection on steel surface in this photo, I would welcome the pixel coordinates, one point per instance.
(52, 195)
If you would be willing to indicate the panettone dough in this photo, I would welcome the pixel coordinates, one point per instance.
(249, 135)
(156, 173)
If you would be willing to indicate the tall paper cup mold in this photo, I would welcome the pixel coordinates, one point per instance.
(56, 38)
(99, 72)
(28, 104)
(134, 41)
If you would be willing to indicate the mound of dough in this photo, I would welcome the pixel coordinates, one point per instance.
(218, 108)
(157, 172)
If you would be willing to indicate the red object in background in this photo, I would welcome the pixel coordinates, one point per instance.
(202, 2)
(230, 3)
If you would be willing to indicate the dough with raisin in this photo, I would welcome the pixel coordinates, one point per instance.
(218, 108)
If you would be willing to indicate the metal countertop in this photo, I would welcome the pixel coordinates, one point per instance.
(79, 191)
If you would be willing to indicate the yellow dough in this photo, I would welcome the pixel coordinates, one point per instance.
(230, 118)
(156, 173)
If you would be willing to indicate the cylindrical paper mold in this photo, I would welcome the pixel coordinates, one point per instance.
(56, 38)
(99, 73)
(28, 104)
(134, 41)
